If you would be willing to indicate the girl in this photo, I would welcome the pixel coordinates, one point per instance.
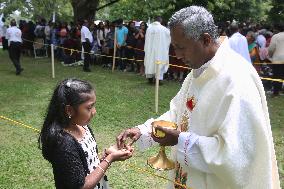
(67, 141)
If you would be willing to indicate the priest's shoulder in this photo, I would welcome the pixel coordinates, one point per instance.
(236, 69)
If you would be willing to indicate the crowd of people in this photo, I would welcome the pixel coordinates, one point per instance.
(261, 46)
(130, 43)
(253, 41)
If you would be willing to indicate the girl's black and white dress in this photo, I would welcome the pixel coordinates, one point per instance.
(89, 146)
(73, 160)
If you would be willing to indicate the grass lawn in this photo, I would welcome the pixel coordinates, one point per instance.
(123, 100)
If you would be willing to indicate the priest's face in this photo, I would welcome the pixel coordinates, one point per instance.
(190, 51)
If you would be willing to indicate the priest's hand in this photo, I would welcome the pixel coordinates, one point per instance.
(132, 133)
(170, 139)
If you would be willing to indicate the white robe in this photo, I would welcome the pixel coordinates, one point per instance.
(2, 27)
(157, 43)
(239, 43)
(228, 143)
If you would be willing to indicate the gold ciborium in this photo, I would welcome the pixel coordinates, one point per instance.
(161, 162)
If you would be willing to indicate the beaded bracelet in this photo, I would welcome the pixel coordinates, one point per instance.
(101, 168)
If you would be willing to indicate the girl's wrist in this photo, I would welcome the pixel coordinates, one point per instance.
(109, 159)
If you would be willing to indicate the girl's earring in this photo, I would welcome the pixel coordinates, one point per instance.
(69, 116)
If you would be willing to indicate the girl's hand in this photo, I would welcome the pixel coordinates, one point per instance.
(119, 155)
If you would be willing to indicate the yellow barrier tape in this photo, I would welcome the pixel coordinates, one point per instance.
(271, 79)
(160, 62)
(159, 176)
(268, 63)
(185, 67)
(19, 123)
(138, 169)
(74, 50)
(157, 62)
(130, 48)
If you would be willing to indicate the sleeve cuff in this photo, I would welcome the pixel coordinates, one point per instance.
(186, 141)
(145, 140)
(145, 128)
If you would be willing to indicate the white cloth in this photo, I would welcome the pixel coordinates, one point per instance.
(239, 43)
(100, 36)
(37, 30)
(263, 51)
(4, 31)
(261, 41)
(2, 28)
(47, 32)
(85, 33)
(157, 43)
(228, 143)
(276, 48)
(107, 30)
(14, 34)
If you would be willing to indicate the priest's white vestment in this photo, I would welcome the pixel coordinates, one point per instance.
(157, 44)
(226, 140)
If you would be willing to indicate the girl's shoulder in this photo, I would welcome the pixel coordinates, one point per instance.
(64, 145)
(67, 142)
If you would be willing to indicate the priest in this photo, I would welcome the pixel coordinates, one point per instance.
(224, 138)
(157, 44)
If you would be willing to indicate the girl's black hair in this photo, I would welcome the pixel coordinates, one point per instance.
(71, 92)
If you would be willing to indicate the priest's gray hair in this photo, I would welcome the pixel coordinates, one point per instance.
(196, 21)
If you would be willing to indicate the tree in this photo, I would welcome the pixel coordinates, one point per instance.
(84, 9)
(223, 10)
(136, 9)
(34, 9)
(65, 9)
(276, 14)
(45, 9)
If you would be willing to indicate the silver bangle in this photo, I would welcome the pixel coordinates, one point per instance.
(108, 162)
(101, 168)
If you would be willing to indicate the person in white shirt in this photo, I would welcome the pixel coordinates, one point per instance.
(261, 40)
(87, 40)
(3, 31)
(157, 44)
(224, 138)
(2, 22)
(276, 52)
(238, 42)
(14, 36)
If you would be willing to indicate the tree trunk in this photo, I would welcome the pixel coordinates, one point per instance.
(84, 9)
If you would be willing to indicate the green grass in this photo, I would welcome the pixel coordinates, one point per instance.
(123, 100)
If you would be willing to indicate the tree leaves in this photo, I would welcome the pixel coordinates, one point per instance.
(37, 8)
(223, 10)
(276, 13)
